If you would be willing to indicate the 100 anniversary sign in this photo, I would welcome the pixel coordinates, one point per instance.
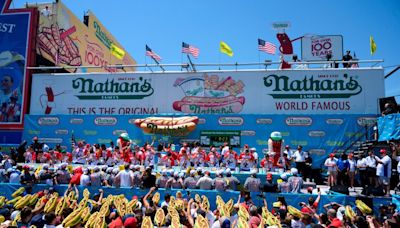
(338, 91)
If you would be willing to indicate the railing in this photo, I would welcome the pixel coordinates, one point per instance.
(365, 132)
(193, 66)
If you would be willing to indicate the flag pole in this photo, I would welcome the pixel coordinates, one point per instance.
(158, 64)
(259, 60)
(191, 63)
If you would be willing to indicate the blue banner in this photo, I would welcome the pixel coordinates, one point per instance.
(319, 135)
(389, 127)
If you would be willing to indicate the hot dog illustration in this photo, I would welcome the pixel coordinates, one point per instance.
(178, 126)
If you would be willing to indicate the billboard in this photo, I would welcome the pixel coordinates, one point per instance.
(315, 48)
(340, 91)
(64, 40)
(16, 29)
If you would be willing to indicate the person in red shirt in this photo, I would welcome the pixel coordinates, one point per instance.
(246, 160)
(184, 160)
(267, 162)
(76, 178)
(312, 205)
(213, 158)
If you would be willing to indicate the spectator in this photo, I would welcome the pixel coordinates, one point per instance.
(284, 186)
(253, 184)
(343, 167)
(270, 185)
(232, 181)
(300, 159)
(352, 169)
(205, 182)
(85, 178)
(331, 163)
(219, 181)
(384, 170)
(347, 57)
(190, 182)
(296, 182)
(175, 181)
(371, 168)
(362, 170)
(161, 182)
(149, 180)
(95, 177)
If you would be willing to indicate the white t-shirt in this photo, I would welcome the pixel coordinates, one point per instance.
(300, 156)
(125, 178)
(387, 164)
(370, 162)
(329, 162)
(85, 180)
(361, 164)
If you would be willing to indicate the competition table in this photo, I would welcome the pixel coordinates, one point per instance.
(241, 175)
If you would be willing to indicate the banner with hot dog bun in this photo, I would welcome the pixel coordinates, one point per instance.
(328, 91)
(64, 40)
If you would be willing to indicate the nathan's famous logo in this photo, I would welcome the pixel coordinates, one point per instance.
(298, 121)
(102, 36)
(131, 88)
(210, 94)
(285, 87)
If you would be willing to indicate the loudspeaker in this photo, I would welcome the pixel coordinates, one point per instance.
(340, 189)
(372, 191)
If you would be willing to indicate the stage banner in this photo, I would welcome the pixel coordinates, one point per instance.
(16, 27)
(318, 134)
(64, 40)
(315, 48)
(389, 127)
(333, 91)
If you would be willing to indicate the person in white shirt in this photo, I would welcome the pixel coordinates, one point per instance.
(371, 168)
(46, 12)
(85, 178)
(300, 159)
(384, 170)
(330, 163)
(125, 177)
(352, 169)
(362, 170)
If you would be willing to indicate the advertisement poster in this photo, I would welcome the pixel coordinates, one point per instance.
(339, 91)
(64, 40)
(15, 30)
(316, 48)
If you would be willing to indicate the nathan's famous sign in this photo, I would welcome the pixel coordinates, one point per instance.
(64, 40)
(217, 93)
(309, 87)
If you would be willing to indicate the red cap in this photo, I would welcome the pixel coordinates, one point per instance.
(336, 223)
(130, 222)
(269, 176)
(134, 197)
(331, 155)
(382, 151)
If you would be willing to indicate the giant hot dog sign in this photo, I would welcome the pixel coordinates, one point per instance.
(333, 91)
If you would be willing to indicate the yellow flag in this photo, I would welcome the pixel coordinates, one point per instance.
(117, 52)
(372, 45)
(224, 48)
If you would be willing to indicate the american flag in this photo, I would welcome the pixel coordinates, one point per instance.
(266, 47)
(152, 54)
(189, 49)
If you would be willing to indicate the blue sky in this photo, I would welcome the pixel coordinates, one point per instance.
(163, 25)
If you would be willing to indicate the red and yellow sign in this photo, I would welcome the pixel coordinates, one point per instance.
(64, 40)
